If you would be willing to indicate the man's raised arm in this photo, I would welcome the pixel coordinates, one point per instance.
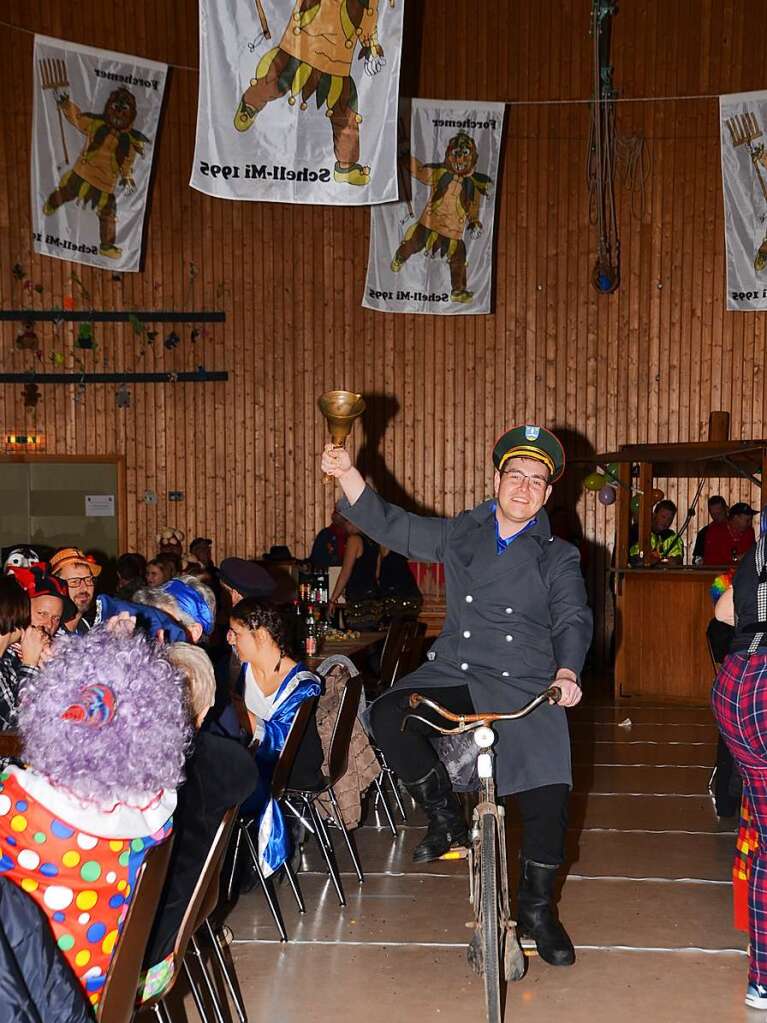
(418, 537)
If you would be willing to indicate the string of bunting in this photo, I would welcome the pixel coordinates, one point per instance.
(510, 102)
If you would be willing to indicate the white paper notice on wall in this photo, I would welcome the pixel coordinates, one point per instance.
(99, 505)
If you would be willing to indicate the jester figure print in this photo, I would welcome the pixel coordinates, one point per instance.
(432, 251)
(298, 100)
(96, 117)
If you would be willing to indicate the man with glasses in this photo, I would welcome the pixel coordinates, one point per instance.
(79, 574)
(517, 619)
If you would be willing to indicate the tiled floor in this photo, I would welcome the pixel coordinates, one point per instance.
(647, 903)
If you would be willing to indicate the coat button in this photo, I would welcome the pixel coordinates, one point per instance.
(509, 610)
(466, 633)
(469, 598)
(464, 666)
(505, 674)
(509, 638)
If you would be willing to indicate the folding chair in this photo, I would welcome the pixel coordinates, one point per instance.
(189, 924)
(282, 770)
(118, 999)
(400, 656)
(301, 802)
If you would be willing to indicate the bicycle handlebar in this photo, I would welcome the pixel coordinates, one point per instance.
(468, 722)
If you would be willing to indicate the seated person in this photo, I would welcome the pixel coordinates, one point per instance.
(23, 646)
(20, 556)
(50, 606)
(219, 774)
(131, 574)
(274, 688)
(104, 729)
(238, 578)
(162, 569)
(665, 543)
(79, 572)
(187, 601)
(330, 543)
(38, 986)
(717, 510)
(727, 542)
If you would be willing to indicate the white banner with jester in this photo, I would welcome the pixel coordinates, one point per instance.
(743, 124)
(95, 120)
(432, 252)
(298, 100)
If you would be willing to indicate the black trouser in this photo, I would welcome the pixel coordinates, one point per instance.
(412, 756)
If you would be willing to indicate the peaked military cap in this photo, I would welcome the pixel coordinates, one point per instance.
(531, 442)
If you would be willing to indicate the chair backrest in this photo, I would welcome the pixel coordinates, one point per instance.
(411, 647)
(118, 998)
(400, 649)
(717, 665)
(189, 923)
(338, 758)
(211, 897)
(281, 774)
(10, 744)
(390, 653)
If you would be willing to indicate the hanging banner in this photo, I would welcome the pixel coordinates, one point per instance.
(298, 101)
(743, 123)
(432, 252)
(95, 120)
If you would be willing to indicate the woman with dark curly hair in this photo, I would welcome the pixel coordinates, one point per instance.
(274, 686)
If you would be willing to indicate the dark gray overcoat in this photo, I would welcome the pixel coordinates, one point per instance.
(512, 620)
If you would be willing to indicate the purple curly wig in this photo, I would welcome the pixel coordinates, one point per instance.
(141, 750)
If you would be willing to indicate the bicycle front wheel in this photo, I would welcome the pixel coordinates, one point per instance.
(491, 958)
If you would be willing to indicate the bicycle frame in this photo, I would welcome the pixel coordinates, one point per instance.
(494, 944)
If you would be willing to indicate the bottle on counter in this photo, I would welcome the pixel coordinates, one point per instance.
(310, 633)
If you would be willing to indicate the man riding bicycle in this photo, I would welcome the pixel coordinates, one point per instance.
(517, 618)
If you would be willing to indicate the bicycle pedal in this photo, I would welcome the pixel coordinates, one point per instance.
(528, 945)
(458, 853)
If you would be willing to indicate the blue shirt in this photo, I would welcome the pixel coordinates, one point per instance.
(500, 543)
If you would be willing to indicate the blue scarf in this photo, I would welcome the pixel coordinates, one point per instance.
(191, 603)
(273, 838)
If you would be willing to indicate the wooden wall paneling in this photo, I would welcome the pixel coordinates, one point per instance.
(244, 396)
(294, 326)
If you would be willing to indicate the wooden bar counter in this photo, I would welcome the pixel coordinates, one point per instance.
(662, 612)
(661, 616)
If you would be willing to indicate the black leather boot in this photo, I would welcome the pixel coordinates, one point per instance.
(447, 824)
(536, 916)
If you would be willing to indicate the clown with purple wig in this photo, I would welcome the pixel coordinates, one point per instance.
(104, 729)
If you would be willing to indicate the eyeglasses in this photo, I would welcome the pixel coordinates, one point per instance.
(83, 580)
(536, 483)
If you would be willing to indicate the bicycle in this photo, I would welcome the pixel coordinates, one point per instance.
(495, 938)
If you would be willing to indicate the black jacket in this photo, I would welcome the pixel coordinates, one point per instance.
(36, 983)
(512, 620)
(219, 773)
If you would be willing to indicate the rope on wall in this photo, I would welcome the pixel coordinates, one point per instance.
(600, 158)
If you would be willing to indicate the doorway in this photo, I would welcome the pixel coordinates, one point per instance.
(62, 502)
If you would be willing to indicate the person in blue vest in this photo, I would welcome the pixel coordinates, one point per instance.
(517, 620)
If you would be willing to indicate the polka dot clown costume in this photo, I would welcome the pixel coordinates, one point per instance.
(104, 730)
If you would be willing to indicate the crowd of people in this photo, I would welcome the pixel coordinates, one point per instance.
(129, 731)
(722, 541)
(124, 698)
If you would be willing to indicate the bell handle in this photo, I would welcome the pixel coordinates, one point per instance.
(326, 479)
